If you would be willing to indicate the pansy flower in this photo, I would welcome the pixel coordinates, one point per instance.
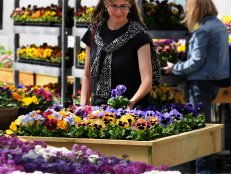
(175, 114)
(123, 123)
(108, 120)
(98, 124)
(61, 124)
(51, 124)
(80, 123)
(141, 124)
(165, 119)
(129, 118)
(152, 121)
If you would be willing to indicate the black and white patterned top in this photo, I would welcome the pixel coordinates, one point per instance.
(114, 58)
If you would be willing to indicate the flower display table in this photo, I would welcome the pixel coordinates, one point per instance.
(172, 150)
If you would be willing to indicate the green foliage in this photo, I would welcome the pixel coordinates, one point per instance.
(118, 102)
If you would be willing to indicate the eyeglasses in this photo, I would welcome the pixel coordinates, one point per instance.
(121, 7)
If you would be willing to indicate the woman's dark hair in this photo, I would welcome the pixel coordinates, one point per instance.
(133, 15)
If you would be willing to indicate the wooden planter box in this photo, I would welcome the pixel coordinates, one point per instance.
(172, 150)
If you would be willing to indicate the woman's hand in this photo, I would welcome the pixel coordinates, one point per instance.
(168, 69)
(131, 105)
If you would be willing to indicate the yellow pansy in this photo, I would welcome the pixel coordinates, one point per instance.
(123, 123)
(226, 19)
(9, 132)
(129, 118)
(35, 100)
(13, 126)
(27, 101)
(63, 113)
(76, 119)
(50, 117)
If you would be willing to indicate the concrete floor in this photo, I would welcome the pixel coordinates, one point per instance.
(222, 166)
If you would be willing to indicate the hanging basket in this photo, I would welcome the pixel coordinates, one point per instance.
(7, 115)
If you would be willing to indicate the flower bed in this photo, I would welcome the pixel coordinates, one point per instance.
(16, 155)
(110, 122)
(149, 126)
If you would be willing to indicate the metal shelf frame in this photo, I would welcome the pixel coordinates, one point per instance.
(62, 31)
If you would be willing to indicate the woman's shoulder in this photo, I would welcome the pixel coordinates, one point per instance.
(212, 24)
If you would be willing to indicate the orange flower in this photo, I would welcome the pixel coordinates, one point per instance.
(50, 117)
(36, 15)
(62, 124)
(12, 87)
(152, 121)
(16, 96)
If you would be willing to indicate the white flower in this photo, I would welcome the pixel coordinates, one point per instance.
(93, 158)
(19, 120)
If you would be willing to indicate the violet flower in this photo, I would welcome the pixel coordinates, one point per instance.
(165, 119)
(175, 114)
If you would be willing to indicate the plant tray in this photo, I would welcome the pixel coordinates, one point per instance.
(172, 150)
(40, 62)
(81, 25)
(38, 24)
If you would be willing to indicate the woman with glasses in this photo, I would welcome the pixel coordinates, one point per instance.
(207, 62)
(118, 52)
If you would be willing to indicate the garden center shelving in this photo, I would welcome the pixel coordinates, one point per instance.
(63, 31)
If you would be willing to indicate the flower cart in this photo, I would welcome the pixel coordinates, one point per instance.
(172, 150)
(169, 135)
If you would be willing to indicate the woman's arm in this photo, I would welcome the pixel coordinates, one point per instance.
(145, 67)
(84, 98)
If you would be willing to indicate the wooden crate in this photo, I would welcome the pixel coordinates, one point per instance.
(7, 75)
(172, 150)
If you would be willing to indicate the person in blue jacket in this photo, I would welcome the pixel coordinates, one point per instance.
(207, 61)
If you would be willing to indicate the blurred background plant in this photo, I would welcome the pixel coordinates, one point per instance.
(162, 14)
(165, 95)
(6, 58)
(84, 14)
(34, 14)
(169, 50)
(227, 21)
(9, 97)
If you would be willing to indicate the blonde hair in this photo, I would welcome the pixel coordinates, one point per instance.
(196, 10)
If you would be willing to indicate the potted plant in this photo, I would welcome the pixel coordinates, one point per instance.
(9, 105)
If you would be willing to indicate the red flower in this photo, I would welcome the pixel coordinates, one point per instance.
(51, 124)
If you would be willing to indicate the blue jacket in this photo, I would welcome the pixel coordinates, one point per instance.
(208, 52)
